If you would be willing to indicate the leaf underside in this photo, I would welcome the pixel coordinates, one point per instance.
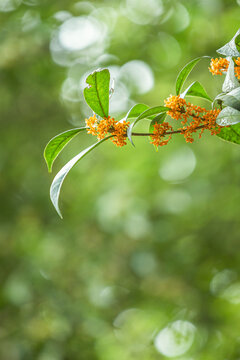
(230, 82)
(231, 48)
(228, 116)
(231, 99)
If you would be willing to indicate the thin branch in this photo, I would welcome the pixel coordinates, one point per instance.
(166, 133)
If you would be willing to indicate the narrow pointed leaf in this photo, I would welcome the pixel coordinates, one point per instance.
(196, 89)
(231, 134)
(145, 114)
(136, 110)
(228, 116)
(97, 92)
(182, 76)
(56, 145)
(230, 82)
(230, 49)
(59, 178)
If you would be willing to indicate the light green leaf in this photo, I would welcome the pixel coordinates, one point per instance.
(136, 110)
(228, 116)
(231, 134)
(230, 82)
(97, 93)
(56, 145)
(230, 49)
(145, 114)
(196, 89)
(59, 178)
(159, 119)
(182, 76)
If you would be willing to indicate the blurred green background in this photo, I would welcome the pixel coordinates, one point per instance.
(146, 262)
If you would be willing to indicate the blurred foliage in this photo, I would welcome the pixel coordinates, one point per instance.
(145, 264)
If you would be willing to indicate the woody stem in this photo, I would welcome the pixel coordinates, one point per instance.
(166, 133)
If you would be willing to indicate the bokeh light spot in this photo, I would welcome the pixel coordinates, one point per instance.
(142, 12)
(138, 76)
(79, 33)
(9, 5)
(176, 339)
(178, 166)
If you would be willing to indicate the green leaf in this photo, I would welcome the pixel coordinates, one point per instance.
(231, 99)
(182, 76)
(159, 119)
(230, 82)
(231, 134)
(228, 116)
(97, 93)
(59, 178)
(230, 49)
(56, 145)
(136, 110)
(196, 89)
(145, 114)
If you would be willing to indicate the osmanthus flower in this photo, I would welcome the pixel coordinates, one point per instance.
(102, 128)
(193, 117)
(159, 132)
(220, 65)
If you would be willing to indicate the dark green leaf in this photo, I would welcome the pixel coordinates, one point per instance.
(231, 133)
(159, 119)
(230, 49)
(59, 178)
(196, 89)
(97, 93)
(182, 76)
(145, 114)
(230, 82)
(56, 145)
(228, 116)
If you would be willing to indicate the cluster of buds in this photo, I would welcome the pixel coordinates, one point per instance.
(201, 119)
(220, 65)
(108, 126)
(159, 132)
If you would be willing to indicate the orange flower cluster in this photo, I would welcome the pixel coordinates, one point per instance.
(220, 65)
(159, 132)
(201, 118)
(101, 128)
(206, 122)
(237, 68)
(177, 106)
